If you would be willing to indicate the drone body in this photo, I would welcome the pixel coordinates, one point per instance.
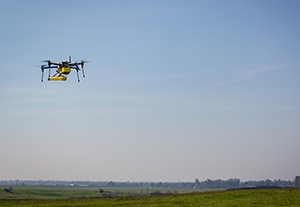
(62, 69)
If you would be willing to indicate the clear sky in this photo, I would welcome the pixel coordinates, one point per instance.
(175, 90)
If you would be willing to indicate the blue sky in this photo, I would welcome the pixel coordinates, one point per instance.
(175, 90)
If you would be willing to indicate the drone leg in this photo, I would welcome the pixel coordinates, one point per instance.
(42, 75)
(77, 76)
(49, 73)
(83, 72)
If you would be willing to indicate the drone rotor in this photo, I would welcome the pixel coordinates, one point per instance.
(48, 62)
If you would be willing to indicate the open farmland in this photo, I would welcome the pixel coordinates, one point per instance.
(52, 192)
(254, 197)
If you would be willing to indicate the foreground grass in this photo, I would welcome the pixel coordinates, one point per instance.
(245, 198)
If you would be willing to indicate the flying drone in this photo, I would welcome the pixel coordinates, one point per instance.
(62, 69)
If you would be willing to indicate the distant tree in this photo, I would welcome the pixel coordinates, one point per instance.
(197, 183)
(111, 184)
(234, 183)
(268, 182)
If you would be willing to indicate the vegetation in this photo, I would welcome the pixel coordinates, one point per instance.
(52, 192)
(253, 197)
(211, 184)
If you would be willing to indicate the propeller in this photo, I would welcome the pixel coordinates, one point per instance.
(47, 61)
(82, 62)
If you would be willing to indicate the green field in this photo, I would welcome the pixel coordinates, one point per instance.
(50, 197)
(38, 192)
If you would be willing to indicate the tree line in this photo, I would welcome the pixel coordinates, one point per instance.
(197, 184)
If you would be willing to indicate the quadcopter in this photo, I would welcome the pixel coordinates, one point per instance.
(62, 69)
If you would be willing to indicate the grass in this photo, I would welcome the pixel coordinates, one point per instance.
(245, 198)
(39, 192)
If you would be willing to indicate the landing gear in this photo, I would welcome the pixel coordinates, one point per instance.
(57, 78)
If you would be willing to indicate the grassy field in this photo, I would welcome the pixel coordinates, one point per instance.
(38, 192)
(44, 197)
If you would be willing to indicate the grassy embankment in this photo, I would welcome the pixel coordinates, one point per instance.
(245, 198)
